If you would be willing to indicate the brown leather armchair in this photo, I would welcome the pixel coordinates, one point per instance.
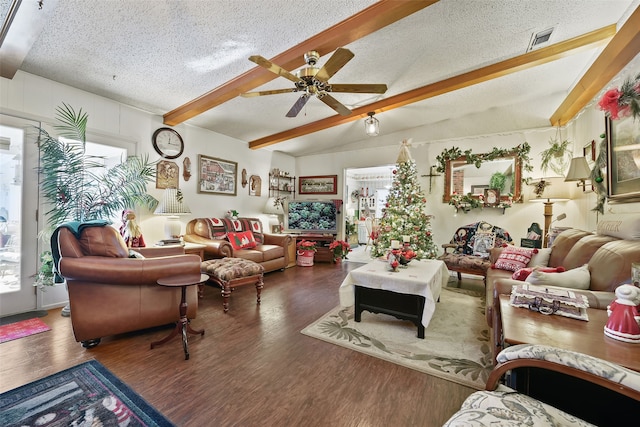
(110, 293)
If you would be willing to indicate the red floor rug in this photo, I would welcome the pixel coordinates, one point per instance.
(22, 329)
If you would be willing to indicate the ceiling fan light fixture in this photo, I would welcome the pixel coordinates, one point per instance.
(371, 125)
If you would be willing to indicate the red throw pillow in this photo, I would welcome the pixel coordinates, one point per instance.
(243, 240)
(513, 258)
(523, 273)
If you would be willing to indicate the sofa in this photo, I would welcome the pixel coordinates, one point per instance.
(112, 293)
(240, 238)
(608, 258)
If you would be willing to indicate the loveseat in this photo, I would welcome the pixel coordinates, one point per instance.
(239, 238)
(111, 293)
(608, 258)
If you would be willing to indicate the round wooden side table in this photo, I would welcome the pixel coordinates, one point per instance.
(182, 325)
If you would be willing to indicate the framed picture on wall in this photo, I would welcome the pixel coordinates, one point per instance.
(322, 184)
(623, 160)
(217, 176)
(167, 174)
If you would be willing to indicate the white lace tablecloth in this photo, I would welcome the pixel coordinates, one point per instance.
(424, 277)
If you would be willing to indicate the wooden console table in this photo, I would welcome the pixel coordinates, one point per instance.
(523, 326)
(323, 253)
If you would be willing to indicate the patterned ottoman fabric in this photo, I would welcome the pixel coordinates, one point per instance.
(227, 269)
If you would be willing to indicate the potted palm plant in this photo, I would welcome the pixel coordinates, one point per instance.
(77, 187)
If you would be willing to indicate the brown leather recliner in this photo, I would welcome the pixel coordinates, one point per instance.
(110, 293)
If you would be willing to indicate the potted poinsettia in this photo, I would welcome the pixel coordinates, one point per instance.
(306, 252)
(340, 249)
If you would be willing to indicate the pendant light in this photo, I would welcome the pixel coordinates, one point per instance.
(371, 125)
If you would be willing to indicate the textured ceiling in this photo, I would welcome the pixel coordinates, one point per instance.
(157, 55)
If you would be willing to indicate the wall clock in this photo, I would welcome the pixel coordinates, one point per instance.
(168, 143)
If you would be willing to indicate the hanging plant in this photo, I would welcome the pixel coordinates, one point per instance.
(557, 157)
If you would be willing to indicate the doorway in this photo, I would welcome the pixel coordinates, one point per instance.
(18, 207)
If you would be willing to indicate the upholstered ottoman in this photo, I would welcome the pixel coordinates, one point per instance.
(230, 273)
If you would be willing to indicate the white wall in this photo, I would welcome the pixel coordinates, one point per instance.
(33, 97)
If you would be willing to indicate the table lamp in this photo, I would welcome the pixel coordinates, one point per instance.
(549, 191)
(274, 209)
(172, 205)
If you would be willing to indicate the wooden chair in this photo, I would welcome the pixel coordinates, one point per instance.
(596, 391)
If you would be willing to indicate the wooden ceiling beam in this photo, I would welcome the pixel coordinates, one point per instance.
(622, 48)
(363, 23)
(503, 68)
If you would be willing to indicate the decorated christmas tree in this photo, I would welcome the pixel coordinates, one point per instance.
(404, 217)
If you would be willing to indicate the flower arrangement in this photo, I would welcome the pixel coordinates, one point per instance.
(622, 102)
(340, 249)
(307, 245)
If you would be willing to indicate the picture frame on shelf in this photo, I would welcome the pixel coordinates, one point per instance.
(491, 197)
(217, 176)
(623, 160)
(319, 184)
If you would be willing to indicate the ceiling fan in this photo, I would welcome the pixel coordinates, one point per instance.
(315, 81)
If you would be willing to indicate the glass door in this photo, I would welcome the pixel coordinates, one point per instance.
(18, 207)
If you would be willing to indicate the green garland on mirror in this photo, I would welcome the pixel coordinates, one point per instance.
(520, 151)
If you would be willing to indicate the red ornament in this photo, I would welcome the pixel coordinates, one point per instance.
(395, 171)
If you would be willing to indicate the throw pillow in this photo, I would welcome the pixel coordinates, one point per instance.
(513, 258)
(541, 258)
(482, 244)
(243, 240)
(578, 278)
(523, 273)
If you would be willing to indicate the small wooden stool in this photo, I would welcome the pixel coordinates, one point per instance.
(230, 273)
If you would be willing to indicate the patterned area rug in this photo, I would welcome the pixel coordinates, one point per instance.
(85, 395)
(22, 329)
(455, 347)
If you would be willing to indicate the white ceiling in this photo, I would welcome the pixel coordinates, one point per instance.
(159, 54)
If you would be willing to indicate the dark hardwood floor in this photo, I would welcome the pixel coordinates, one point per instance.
(253, 367)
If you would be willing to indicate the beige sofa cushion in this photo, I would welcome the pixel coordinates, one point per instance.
(584, 249)
(611, 264)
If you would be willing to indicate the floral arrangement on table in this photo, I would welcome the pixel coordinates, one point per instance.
(622, 102)
(307, 245)
(340, 249)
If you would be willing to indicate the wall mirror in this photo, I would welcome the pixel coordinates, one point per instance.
(462, 177)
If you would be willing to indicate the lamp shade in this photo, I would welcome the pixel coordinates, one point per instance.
(578, 170)
(551, 189)
(273, 206)
(172, 203)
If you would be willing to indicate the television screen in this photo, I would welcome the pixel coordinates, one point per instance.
(311, 216)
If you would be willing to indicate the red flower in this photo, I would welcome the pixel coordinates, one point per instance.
(609, 103)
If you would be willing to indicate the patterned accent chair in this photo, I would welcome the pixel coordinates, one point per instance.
(468, 251)
(613, 397)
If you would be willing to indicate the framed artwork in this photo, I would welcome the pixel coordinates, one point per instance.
(478, 189)
(217, 176)
(623, 160)
(491, 197)
(167, 174)
(323, 184)
(255, 185)
(589, 152)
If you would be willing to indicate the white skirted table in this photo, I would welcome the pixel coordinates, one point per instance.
(410, 293)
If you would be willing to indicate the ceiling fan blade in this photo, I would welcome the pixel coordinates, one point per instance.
(339, 58)
(267, 92)
(358, 88)
(335, 104)
(276, 69)
(301, 102)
